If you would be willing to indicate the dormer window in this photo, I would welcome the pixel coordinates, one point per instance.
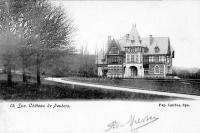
(156, 49)
(132, 41)
(146, 49)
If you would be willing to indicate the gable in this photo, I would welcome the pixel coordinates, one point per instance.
(113, 48)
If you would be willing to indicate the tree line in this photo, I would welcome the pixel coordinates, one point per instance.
(33, 33)
(186, 73)
(81, 64)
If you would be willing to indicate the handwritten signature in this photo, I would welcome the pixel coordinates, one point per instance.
(133, 123)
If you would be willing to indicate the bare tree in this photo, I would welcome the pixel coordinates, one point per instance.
(8, 39)
(44, 29)
(8, 53)
(52, 30)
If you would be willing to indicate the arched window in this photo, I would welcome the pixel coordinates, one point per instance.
(156, 69)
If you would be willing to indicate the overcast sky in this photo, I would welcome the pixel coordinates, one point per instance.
(178, 20)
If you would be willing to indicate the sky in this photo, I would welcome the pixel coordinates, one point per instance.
(180, 21)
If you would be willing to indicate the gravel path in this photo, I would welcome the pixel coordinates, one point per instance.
(139, 90)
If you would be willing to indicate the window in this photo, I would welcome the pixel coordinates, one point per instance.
(128, 58)
(134, 50)
(140, 58)
(156, 59)
(114, 60)
(168, 60)
(150, 58)
(145, 59)
(140, 49)
(161, 58)
(131, 50)
(132, 58)
(136, 58)
(156, 69)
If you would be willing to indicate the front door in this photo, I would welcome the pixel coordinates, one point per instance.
(133, 71)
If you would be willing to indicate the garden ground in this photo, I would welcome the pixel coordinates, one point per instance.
(57, 91)
(181, 86)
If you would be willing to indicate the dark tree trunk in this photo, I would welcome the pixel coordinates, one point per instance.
(38, 76)
(24, 76)
(38, 72)
(9, 75)
(24, 72)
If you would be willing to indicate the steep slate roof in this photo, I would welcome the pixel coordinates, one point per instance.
(161, 42)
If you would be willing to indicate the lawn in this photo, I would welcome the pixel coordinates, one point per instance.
(54, 91)
(168, 85)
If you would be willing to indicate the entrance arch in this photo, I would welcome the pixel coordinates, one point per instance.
(134, 71)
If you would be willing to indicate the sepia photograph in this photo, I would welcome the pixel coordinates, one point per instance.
(99, 66)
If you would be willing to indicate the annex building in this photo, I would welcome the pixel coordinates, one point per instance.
(133, 56)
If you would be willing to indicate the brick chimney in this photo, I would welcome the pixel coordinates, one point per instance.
(150, 39)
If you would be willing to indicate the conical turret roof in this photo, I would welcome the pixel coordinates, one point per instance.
(134, 35)
(134, 32)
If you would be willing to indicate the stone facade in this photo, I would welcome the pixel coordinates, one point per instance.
(136, 57)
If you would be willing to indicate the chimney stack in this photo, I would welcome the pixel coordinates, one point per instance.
(109, 38)
(150, 39)
(127, 36)
(108, 42)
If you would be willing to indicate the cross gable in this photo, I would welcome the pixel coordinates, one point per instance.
(113, 48)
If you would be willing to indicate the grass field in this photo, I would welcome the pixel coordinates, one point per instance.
(56, 91)
(169, 85)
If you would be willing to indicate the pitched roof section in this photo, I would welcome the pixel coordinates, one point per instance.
(155, 45)
(160, 42)
(114, 43)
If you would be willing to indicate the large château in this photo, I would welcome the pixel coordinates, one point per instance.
(133, 56)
